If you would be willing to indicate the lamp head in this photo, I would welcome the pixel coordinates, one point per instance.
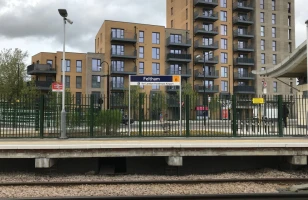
(63, 12)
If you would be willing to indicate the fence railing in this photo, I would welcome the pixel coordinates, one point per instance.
(154, 115)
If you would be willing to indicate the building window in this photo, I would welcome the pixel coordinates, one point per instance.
(289, 34)
(117, 49)
(273, 19)
(176, 51)
(223, 16)
(223, 57)
(117, 66)
(223, 3)
(155, 71)
(172, 11)
(207, 41)
(155, 53)
(141, 52)
(274, 45)
(117, 33)
(262, 45)
(78, 81)
(141, 36)
(224, 86)
(78, 66)
(117, 82)
(275, 87)
(49, 62)
(262, 31)
(78, 98)
(68, 65)
(274, 32)
(273, 5)
(289, 20)
(96, 81)
(67, 81)
(141, 67)
(155, 38)
(96, 65)
(290, 47)
(223, 29)
(262, 17)
(262, 58)
(289, 7)
(224, 43)
(176, 38)
(224, 72)
(262, 4)
(274, 59)
(186, 14)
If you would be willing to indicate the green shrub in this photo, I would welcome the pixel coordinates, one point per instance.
(109, 120)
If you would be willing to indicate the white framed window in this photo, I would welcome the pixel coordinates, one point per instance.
(141, 36)
(224, 86)
(155, 38)
(262, 58)
(223, 58)
(262, 31)
(224, 43)
(96, 65)
(224, 72)
(223, 16)
(274, 32)
(262, 45)
(141, 67)
(155, 53)
(141, 52)
(262, 4)
(262, 17)
(274, 45)
(273, 18)
(223, 29)
(223, 3)
(274, 59)
(275, 86)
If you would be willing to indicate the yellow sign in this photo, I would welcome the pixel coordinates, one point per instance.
(176, 78)
(258, 100)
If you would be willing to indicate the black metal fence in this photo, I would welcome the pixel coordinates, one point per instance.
(154, 115)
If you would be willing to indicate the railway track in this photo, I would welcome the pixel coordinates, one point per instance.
(144, 182)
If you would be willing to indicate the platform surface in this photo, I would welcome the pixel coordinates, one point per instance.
(129, 143)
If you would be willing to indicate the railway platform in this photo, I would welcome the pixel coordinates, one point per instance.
(45, 152)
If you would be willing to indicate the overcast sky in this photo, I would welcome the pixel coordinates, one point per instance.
(35, 25)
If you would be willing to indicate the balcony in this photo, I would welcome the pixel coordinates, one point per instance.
(201, 45)
(202, 31)
(206, 89)
(206, 3)
(208, 60)
(40, 69)
(172, 88)
(243, 47)
(184, 72)
(207, 75)
(43, 85)
(242, 20)
(117, 86)
(209, 17)
(243, 76)
(244, 89)
(244, 61)
(171, 42)
(172, 57)
(124, 71)
(123, 55)
(127, 37)
(243, 34)
(243, 6)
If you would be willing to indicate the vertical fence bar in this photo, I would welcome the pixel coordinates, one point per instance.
(280, 128)
(41, 113)
(91, 115)
(140, 113)
(234, 113)
(187, 115)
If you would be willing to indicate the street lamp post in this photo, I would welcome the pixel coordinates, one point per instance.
(63, 14)
(108, 82)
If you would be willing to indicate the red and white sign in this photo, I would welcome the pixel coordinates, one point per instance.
(57, 87)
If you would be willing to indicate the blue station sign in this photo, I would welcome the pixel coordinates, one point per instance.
(155, 80)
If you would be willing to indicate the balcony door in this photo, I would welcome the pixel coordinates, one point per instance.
(117, 82)
(176, 69)
(208, 84)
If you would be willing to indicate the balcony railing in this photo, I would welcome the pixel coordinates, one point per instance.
(127, 37)
(206, 31)
(40, 69)
(206, 89)
(117, 86)
(244, 61)
(206, 16)
(208, 3)
(243, 47)
(43, 85)
(243, 20)
(243, 33)
(243, 5)
(172, 88)
(179, 57)
(244, 89)
(125, 54)
(201, 45)
(182, 43)
(124, 71)
(208, 74)
(183, 71)
(207, 60)
(244, 75)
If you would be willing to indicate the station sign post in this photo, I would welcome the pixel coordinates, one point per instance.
(174, 80)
